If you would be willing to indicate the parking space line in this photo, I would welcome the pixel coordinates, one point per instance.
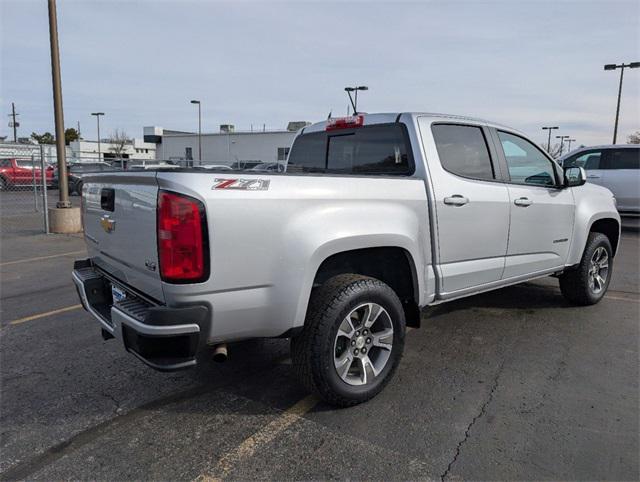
(42, 315)
(263, 436)
(40, 258)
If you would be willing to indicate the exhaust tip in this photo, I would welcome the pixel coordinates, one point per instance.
(220, 353)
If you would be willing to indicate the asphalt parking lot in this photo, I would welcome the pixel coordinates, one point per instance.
(513, 384)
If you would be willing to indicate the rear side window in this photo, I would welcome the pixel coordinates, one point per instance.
(377, 149)
(463, 151)
(623, 159)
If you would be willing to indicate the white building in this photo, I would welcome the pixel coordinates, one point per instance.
(224, 147)
(85, 150)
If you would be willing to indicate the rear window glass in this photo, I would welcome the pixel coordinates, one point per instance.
(377, 149)
(623, 159)
(463, 151)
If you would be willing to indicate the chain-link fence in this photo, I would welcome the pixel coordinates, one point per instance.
(29, 180)
(26, 190)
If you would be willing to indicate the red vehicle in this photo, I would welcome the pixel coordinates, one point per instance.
(21, 172)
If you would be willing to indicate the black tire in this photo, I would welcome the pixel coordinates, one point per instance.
(314, 349)
(4, 185)
(575, 284)
(78, 188)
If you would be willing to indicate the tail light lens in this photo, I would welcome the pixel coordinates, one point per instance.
(182, 239)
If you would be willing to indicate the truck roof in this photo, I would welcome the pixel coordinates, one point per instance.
(389, 117)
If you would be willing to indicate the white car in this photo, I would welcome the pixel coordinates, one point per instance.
(616, 167)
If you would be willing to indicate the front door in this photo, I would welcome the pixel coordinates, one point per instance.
(471, 204)
(542, 212)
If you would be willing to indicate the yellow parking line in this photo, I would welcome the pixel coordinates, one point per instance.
(42, 315)
(263, 436)
(39, 258)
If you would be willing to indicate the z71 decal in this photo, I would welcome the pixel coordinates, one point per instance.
(243, 184)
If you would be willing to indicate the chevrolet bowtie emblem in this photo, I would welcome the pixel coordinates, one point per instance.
(107, 223)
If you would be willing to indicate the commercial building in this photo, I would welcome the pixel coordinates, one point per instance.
(227, 146)
(85, 150)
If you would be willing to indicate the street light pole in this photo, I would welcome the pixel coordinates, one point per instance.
(348, 90)
(569, 141)
(63, 186)
(632, 65)
(199, 130)
(98, 114)
(549, 141)
(562, 138)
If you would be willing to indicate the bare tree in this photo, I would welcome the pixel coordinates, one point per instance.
(634, 138)
(554, 151)
(119, 140)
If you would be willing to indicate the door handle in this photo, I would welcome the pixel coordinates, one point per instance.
(523, 202)
(456, 200)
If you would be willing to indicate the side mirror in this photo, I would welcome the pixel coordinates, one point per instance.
(574, 176)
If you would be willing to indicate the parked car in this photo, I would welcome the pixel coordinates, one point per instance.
(616, 167)
(76, 172)
(22, 172)
(376, 217)
(269, 167)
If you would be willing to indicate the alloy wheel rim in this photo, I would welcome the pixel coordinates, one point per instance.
(363, 344)
(598, 270)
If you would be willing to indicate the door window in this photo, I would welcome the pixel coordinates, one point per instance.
(589, 160)
(526, 163)
(623, 159)
(463, 151)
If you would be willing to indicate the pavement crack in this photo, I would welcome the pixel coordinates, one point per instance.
(117, 410)
(467, 432)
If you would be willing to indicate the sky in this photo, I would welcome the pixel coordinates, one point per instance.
(523, 63)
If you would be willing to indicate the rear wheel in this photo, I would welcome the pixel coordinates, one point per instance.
(352, 341)
(3, 184)
(588, 283)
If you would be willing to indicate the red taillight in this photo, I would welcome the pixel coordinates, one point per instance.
(344, 123)
(182, 242)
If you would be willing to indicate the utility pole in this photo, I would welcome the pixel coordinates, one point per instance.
(78, 130)
(549, 141)
(632, 65)
(63, 186)
(15, 124)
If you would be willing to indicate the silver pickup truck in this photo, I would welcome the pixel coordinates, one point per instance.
(375, 217)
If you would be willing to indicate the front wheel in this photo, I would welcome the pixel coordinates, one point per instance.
(352, 340)
(587, 284)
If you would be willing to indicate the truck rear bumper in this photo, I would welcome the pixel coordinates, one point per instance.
(165, 338)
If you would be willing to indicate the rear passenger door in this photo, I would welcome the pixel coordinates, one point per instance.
(622, 177)
(542, 211)
(471, 205)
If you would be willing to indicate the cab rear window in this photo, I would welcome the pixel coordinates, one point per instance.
(379, 149)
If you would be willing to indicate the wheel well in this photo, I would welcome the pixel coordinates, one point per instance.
(610, 228)
(391, 265)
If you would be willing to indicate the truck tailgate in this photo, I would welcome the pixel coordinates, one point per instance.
(119, 211)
